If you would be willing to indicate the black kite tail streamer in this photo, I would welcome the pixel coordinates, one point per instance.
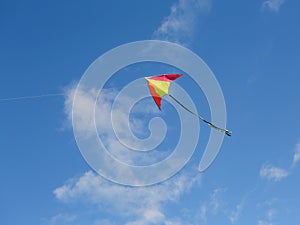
(227, 132)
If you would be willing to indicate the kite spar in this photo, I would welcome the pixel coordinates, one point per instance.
(159, 87)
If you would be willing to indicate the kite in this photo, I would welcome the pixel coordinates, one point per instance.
(159, 87)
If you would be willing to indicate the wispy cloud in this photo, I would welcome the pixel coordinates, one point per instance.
(272, 5)
(104, 101)
(272, 173)
(268, 208)
(218, 205)
(263, 222)
(118, 131)
(214, 205)
(184, 17)
(235, 214)
(132, 206)
(271, 213)
(216, 202)
(203, 212)
(273, 206)
(60, 219)
(296, 157)
(144, 205)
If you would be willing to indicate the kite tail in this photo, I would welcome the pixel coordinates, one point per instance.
(227, 132)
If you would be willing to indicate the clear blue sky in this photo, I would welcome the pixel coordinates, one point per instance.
(251, 46)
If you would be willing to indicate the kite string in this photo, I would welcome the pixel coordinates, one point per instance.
(227, 132)
(30, 97)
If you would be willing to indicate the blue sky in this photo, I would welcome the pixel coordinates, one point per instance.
(251, 46)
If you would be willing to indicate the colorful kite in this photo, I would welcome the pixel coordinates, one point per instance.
(159, 87)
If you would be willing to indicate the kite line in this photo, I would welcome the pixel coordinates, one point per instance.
(227, 132)
(30, 97)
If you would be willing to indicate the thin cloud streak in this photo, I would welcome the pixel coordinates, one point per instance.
(235, 214)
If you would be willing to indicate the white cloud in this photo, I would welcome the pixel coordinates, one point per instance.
(296, 157)
(213, 206)
(116, 133)
(273, 5)
(60, 219)
(270, 172)
(269, 209)
(86, 101)
(150, 216)
(180, 25)
(216, 202)
(235, 214)
(143, 205)
(271, 213)
(203, 212)
(263, 222)
(103, 222)
(216, 206)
